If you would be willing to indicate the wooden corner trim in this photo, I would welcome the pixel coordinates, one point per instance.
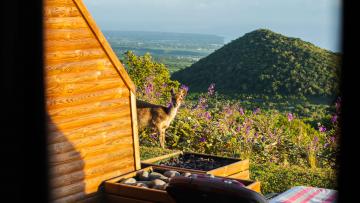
(135, 131)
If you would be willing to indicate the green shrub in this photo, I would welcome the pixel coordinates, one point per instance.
(151, 152)
(275, 178)
(152, 79)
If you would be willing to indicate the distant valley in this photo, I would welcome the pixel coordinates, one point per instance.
(175, 50)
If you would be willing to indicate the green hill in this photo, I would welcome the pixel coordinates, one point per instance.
(264, 62)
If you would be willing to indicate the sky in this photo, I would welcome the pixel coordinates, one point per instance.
(315, 21)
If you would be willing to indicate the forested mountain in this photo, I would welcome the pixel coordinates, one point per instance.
(264, 62)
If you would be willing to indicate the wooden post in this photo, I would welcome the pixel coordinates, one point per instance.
(135, 130)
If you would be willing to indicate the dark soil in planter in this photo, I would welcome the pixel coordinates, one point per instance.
(196, 162)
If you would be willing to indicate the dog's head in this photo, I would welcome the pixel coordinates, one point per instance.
(178, 98)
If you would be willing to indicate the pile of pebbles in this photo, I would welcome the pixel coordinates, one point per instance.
(196, 162)
(153, 179)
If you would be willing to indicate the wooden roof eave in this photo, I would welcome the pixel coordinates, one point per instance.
(105, 45)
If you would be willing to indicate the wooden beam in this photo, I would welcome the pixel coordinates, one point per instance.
(159, 158)
(135, 130)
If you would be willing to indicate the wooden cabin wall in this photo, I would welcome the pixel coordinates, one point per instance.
(88, 104)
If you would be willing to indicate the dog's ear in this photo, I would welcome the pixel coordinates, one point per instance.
(184, 92)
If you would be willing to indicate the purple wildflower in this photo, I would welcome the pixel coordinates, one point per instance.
(256, 111)
(316, 139)
(184, 87)
(263, 139)
(332, 139)
(238, 129)
(202, 103)
(153, 137)
(247, 130)
(322, 128)
(149, 88)
(211, 89)
(256, 135)
(228, 110)
(251, 121)
(271, 135)
(334, 118)
(207, 115)
(241, 110)
(290, 117)
(326, 144)
(170, 104)
(203, 139)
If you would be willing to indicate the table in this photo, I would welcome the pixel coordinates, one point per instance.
(303, 194)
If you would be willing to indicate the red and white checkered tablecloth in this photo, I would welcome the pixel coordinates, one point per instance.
(302, 194)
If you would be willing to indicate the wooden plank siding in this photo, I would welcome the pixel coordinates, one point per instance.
(92, 129)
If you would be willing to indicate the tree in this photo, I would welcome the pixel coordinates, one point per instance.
(152, 79)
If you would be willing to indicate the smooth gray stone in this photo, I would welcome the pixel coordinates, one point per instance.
(157, 182)
(155, 175)
(142, 185)
(148, 183)
(171, 174)
(160, 187)
(129, 181)
(187, 174)
(211, 175)
(143, 176)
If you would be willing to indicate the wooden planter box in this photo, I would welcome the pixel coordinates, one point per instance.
(117, 192)
(236, 169)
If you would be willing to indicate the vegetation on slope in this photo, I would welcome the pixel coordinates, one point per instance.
(264, 62)
(284, 150)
